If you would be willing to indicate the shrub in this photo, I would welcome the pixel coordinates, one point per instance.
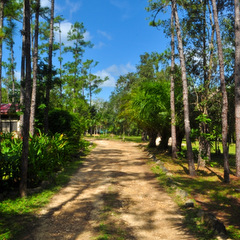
(61, 121)
(47, 155)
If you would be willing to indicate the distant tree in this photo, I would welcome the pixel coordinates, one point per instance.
(91, 81)
(11, 65)
(73, 77)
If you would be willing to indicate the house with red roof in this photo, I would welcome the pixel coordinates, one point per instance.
(10, 119)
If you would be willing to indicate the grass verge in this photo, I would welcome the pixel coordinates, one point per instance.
(18, 215)
(208, 190)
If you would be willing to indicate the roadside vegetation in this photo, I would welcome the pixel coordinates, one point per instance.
(53, 161)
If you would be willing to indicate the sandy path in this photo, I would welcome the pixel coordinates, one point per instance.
(114, 192)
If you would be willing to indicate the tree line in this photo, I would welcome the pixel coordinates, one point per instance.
(46, 92)
(190, 90)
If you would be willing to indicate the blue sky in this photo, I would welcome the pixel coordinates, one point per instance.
(119, 31)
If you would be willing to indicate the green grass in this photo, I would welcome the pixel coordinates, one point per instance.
(208, 188)
(137, 139)
(18, 215)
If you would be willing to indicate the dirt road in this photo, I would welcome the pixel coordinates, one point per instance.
(113, 196)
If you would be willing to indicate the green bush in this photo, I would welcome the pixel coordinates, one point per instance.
(61, 121)
(10, 156)
(47, 155)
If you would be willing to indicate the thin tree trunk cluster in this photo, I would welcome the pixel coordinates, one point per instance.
(28, 87)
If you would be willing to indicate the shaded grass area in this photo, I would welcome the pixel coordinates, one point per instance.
(18, 215)
(209, 191)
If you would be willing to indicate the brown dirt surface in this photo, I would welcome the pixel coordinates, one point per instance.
(114, 196)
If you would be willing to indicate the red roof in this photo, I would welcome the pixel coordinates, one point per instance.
(9, 108)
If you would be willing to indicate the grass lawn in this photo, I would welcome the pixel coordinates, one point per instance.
(207, 189)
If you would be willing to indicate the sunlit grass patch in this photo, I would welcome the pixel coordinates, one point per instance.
(207, 189)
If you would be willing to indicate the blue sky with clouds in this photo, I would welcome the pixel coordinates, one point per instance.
(119, 31)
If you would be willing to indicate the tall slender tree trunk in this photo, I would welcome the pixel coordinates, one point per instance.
(27, 98)
(1, 29)
(49, 80)
(35, 62)
(190, 156)
(23, 66)
(224, 94)
(12, 73)
(60, 62)
(172, 95)
(237, 85)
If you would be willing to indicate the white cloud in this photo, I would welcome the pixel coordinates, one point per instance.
(105, 34)
(124, 6)
(87, 36)
(17, 75)
(111, 82)
(121, 69)
(45, 3)
(99, 45)
(65, 27)
(113, 72)
(73, 6)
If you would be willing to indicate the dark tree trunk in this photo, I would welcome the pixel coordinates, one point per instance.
(27, 98)
(164, 140)
(144, 136)
(152, 139)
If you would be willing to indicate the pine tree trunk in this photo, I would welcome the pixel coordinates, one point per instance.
(190, 156)
(23, 63)
(172, 95)
(1, 28)
(47, 99)
(27, 98)
(237, 85)
(35, 62)
(224, 94)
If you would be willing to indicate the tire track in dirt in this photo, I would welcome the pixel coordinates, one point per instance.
(113, 193)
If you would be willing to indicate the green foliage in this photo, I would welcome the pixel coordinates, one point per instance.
(62, 121)
(18, 214)
(47, 155)
(9, 160)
